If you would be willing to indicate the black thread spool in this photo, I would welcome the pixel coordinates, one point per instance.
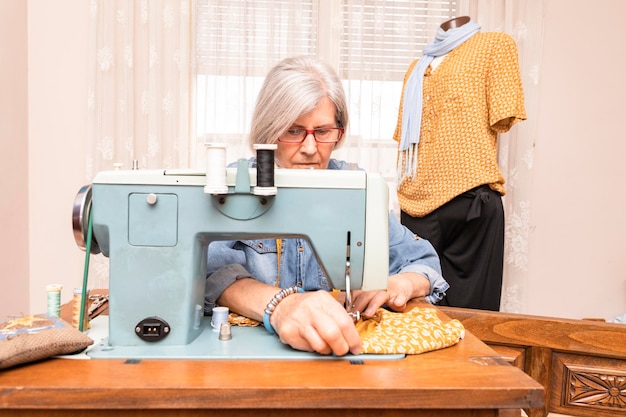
(265, 169)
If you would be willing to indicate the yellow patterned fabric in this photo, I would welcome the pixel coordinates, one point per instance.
(474, 94)
(416, 331)
(238, 320)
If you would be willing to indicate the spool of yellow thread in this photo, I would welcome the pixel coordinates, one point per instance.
(76, 303)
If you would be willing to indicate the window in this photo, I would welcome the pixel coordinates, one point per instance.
(369, 42)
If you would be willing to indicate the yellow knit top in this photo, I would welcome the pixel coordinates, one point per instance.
(474, 94)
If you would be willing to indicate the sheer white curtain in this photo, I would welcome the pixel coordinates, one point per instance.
(140, 84)
(523, 20)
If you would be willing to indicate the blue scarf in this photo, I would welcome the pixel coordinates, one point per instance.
(445, 41)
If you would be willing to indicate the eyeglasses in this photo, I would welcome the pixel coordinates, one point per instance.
(321, 135)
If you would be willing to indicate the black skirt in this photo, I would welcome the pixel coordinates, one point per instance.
(468, 235)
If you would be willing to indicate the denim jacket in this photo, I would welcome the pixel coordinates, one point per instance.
(228, 261)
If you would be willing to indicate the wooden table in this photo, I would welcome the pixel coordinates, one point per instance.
(468, 379)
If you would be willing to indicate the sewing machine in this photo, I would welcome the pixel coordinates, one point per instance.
(155, 227)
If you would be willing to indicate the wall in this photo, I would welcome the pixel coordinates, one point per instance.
(576, 253)
(577, 256)
(57, 50)
(13, 160)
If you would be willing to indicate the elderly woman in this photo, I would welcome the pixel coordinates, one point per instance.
(302, 109)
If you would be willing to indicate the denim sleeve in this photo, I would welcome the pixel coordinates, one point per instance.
(409, 253)
(218, 281)
(224, 267)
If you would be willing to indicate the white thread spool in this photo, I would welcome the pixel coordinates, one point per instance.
(215, 169)
(220, 315)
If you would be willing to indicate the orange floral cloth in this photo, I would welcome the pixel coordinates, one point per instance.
(416, 331)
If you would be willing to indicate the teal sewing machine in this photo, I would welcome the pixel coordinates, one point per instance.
(155, 227)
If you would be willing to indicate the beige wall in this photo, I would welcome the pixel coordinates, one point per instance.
(13, 159)
(577, 251)
(42, 148)
(577, 259)
(57, 114)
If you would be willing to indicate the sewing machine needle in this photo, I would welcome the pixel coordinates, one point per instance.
(348, 302)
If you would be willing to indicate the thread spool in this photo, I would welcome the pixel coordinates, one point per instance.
(77, 301)
(265, 169)
(215, 169)
(54, 299)
(220, 315)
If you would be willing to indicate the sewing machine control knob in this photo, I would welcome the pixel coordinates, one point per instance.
(151, 199)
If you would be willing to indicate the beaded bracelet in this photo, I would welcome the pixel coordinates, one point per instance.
(269, 309)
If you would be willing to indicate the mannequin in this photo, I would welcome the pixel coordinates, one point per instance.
(447, 25)
(454, 23)
(453, 196)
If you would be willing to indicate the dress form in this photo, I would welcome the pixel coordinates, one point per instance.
(454, 23)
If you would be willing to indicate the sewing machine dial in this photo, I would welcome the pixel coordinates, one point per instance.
(80, 219)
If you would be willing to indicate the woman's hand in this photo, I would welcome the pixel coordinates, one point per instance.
(312, 321)
(401, 288)
(315, 322)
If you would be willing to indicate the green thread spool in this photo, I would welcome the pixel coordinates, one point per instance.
(54, 299)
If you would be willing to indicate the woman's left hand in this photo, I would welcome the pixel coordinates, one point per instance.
(401, 288)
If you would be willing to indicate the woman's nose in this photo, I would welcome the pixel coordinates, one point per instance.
(309, 145)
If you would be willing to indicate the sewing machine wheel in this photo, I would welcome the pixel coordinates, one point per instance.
(80, 219)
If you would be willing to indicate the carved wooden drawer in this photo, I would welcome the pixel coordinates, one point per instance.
(588, 386)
